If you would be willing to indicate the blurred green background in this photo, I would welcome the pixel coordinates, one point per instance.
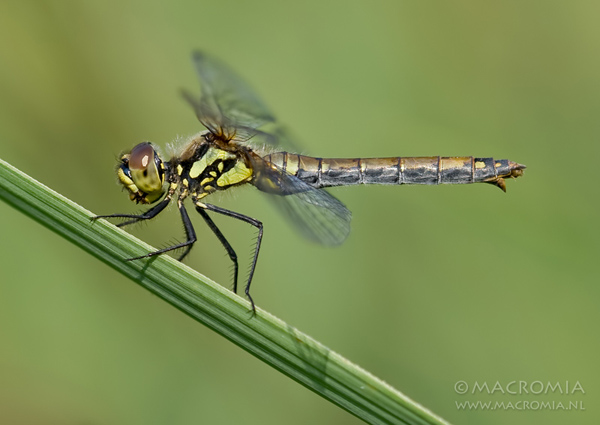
(435, 285)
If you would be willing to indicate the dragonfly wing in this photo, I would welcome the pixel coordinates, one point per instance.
(318, 215)
(226, 102)
(229, 107)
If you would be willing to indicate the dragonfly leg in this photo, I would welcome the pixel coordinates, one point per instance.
(189, 233)
(249, 220)
(151, 213)
(230, 251)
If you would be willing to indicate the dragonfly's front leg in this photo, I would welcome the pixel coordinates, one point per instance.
(151, 213)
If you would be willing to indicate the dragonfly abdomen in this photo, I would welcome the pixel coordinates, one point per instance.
(327, 172)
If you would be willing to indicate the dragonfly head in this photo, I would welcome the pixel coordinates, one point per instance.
(142, 173)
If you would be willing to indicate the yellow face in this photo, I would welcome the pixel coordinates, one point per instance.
(142, 173)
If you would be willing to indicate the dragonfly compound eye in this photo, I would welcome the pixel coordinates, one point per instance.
(142, 173)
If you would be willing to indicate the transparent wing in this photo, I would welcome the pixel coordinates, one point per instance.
(317, 214)
(227, 104)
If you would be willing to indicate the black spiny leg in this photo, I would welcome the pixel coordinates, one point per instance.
(249, 220)
(189, 233)
(232, 255)
(151, 213)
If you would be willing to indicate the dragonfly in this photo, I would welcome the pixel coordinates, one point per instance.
(243, 146)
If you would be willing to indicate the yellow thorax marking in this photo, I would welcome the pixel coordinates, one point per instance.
(209, 157)
(206, 181)
(238, 174)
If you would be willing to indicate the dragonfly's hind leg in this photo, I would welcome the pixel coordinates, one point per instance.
(230, 251)
(200, 207)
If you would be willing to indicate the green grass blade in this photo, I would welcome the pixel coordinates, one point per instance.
(271, 340)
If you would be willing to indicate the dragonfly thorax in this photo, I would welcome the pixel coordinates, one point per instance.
(142, 173)
(206, 166)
